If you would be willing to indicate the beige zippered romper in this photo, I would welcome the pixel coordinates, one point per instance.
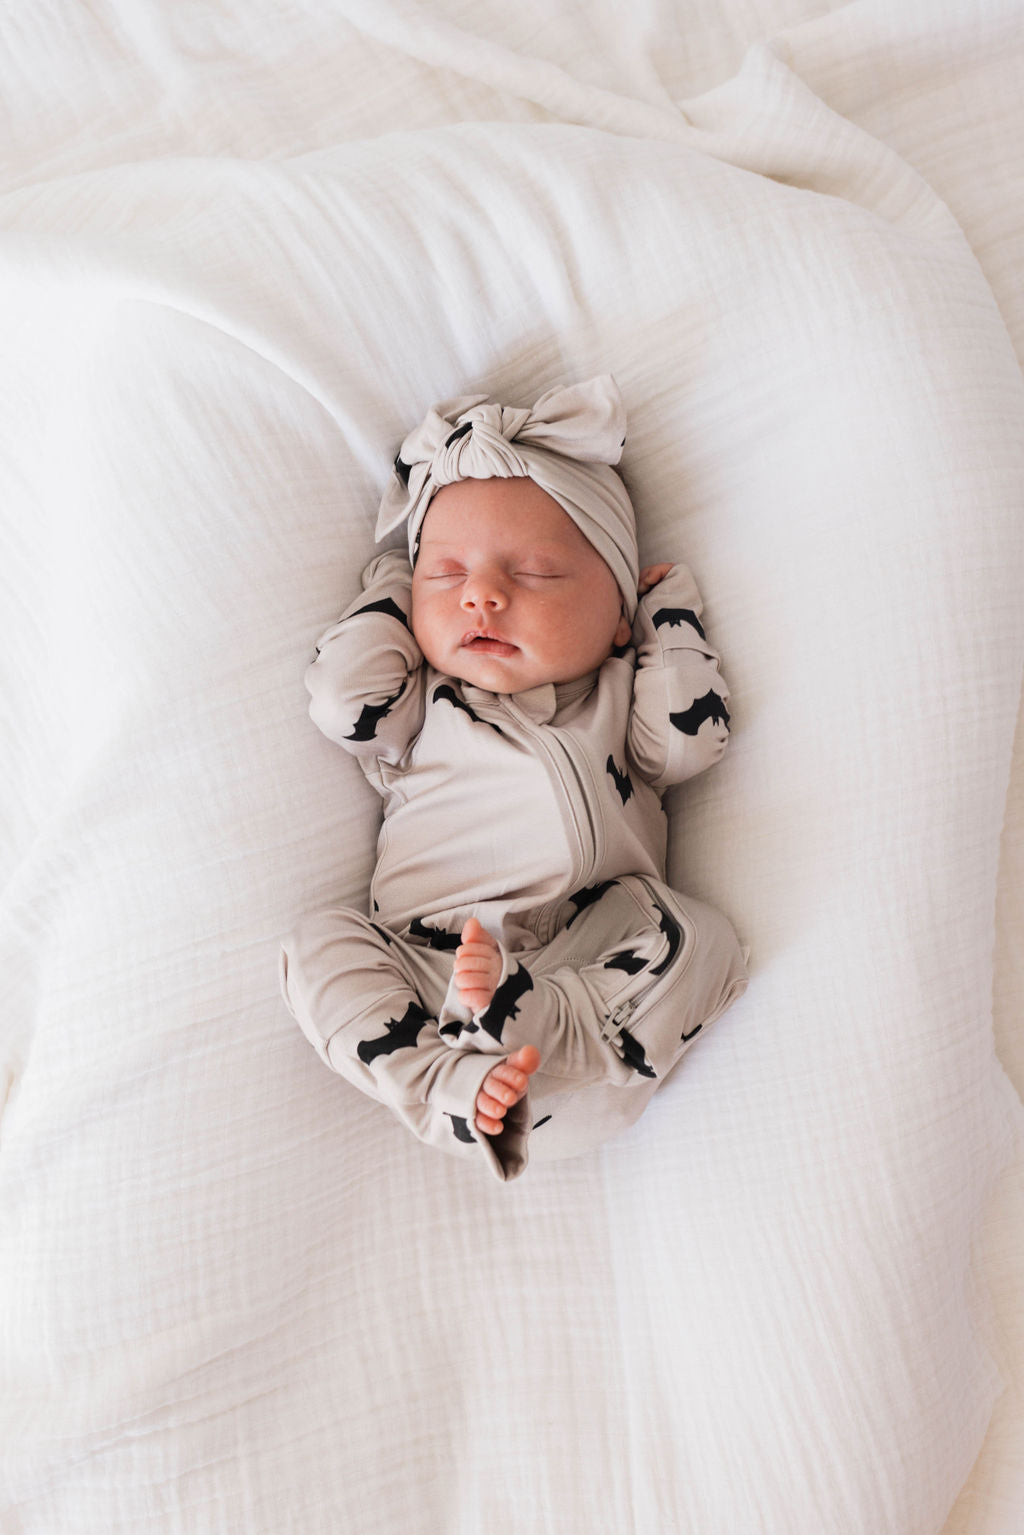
(540, 814)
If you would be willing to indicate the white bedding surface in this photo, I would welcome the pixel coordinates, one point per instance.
(244, 249)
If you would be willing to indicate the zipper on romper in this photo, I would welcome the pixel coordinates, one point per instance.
(571, 778)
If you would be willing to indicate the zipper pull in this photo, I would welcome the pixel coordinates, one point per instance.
(619, 1019)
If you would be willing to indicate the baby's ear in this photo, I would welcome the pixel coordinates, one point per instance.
(624, 633)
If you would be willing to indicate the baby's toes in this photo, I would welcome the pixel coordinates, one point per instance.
(507, 1083)
(490, 1105)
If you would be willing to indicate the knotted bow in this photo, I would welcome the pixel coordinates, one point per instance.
(567, 443)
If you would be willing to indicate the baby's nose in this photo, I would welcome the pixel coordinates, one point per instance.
(483, 593)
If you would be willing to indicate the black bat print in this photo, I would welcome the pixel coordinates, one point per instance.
(461, 1129)
(435, 937)
(445, 693)
(370, 716)
(633, 1055)
(674, 616)
(693, 1032)
(631, 963)
(382, 931)
(460, 431)
(504, 1004)
(538, 1122)
(586, 897)
(674, 933)
(402, 1034)
(402, 469)
(386, 605)
(710, 707)
(621, 779)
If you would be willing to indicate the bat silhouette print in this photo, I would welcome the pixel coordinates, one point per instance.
(674, 933)
(581, 899)
(633, 1055)
(631, 963)
(710, 707)
(460, 1128)
(386, 605)
(445, 693)
(675, 616)
(370, 716)
(402, 1034)
(505, 1002)
(620, 778)
(436, 937)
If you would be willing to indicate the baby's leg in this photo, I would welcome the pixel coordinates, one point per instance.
(622, 991)
(367, 1002)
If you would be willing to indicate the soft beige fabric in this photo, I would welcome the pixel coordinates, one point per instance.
(566, 442)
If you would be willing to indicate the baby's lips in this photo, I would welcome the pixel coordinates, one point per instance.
(487, 643)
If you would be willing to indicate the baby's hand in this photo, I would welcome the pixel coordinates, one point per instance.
(650, 576)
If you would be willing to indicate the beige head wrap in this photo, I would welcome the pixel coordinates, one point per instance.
(566, 443)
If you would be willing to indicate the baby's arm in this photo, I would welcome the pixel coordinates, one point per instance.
(679, 724)
(366, 683)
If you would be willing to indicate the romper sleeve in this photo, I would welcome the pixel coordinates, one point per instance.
(679, 723)
(366, 683)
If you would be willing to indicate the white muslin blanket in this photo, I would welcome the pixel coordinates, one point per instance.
(243, 249)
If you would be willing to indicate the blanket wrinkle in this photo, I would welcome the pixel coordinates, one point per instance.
(769, 121)
(440, 44)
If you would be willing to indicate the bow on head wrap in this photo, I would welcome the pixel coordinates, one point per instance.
(566, 443)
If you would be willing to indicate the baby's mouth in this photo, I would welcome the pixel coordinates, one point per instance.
(483, 642)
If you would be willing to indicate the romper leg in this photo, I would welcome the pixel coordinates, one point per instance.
(612, 1004)
(367, 1003)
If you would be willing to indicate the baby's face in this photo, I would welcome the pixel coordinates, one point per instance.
(507, 593)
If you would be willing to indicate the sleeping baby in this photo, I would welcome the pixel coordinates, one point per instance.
(520, 694)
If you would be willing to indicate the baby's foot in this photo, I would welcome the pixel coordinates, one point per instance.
(477, 966)
(503, 1087)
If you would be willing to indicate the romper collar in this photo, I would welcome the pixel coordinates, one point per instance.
(539, 704)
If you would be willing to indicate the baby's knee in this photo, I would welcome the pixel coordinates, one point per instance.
(707, 973)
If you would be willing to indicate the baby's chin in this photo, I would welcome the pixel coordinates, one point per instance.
(498, 676)
(517, 675)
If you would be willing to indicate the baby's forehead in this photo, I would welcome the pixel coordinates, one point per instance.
(499, 514)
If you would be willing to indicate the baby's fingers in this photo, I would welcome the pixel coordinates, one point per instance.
(650, 576)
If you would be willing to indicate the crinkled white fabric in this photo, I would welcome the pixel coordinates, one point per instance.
(243, 249)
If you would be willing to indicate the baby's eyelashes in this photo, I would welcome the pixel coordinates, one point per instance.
(453, 575)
